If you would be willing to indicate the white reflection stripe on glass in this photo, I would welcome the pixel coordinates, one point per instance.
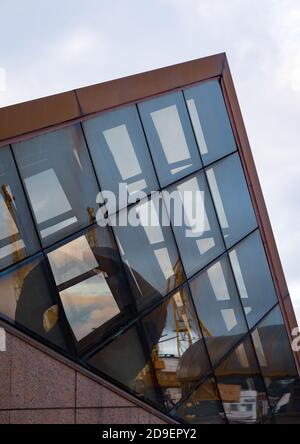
(238, 274)
(72, 260)
(178, 169)
(150, 222)
(217, 198)
(136, 186)
(163, 258)
(39, 186)
(192, 199)
(242, 356)
(11, 248)
(169, 128)
(259, 349)
(204, 245)
(247, 310)
(7, 224)
(197, 126)
(77, 158)
(229, 318)
(121, 147)
(218, 282)
(54, 228)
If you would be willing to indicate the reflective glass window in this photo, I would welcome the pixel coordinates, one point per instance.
(148, 249)
(120, 154)
(27, 298)
(194, 222)
(177, 349)
(218, 307)
(242, 388)
(91, 283)
(17, 234)
(277, 364)
(127, 361)
(231, 198)
(170, 137)
(59, 181)
(253, 277)
(203, 406)
(210, 120)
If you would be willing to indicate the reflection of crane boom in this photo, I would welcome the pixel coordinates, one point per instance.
(14, 237)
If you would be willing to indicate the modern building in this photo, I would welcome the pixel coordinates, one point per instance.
(156, 322)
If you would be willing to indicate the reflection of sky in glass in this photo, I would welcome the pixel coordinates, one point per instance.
(38, 187)
(169, 128)
(88, 305)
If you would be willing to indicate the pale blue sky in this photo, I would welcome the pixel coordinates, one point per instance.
(52, 46)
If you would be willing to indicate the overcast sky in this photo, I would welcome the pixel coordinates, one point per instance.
(50, 46)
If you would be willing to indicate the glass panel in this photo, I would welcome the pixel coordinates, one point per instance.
(148, 250)
(218, 307)
(27, 299)
(60, 182)
(277, 364)
(195, 224)
(232, 200)
(126, 360)
(120, 154)
(17, 234)
(178, 353)
(253, 277)
(210, 120)
(203, 406)
(170, 137)
(242, 388)
(92, 283)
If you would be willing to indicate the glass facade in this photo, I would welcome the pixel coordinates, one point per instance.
(182, 315)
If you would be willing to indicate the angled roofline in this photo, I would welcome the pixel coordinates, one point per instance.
(24, 120)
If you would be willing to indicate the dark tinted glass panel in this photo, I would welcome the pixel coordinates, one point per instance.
(148, 250)
(195, 224)
(126, 360)
(242, 388)
(27, 299)
(232, 200)
(218, 307)
(121, 154)
(17, 234)
(203, 406)
(170, 137)
(178, 352)
(210, 120)
(277, 364)
(253, 277)
(60, 182)
(91, 283)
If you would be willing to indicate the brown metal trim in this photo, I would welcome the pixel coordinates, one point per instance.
(259, 203)
(30, 116)
(76, 367)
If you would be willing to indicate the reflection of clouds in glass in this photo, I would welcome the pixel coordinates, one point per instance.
(72, 260)
(88, 305)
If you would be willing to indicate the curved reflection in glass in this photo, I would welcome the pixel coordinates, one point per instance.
(242, 388)
(177, 370)
(219, 308)
(203, 406)
(92, 284)
(278, 367)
